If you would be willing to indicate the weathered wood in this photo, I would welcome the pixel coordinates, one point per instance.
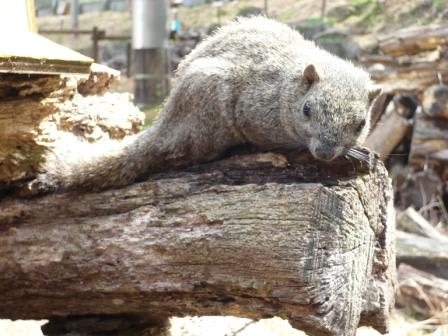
(378, 108)
(429, 140)
(423, 253)
(150, 68)
(36, 110)
(389, 132)
(435, 101)
(422, 291)
(405, 104)
(411, 41)
(409, 73)
(28, 53)
(100, 80)
(411, 221)
(252, 236)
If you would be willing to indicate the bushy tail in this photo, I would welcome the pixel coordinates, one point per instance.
(73, 164)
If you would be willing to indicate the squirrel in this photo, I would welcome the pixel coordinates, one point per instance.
(255, 81)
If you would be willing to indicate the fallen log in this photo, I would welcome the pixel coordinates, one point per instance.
(421, 291)
(379, 108)
(435, 101)
(253, 236)
(411, 41)
(426, 254)
(389, 132)
(411, 221)
(429, 141)
(411, 74)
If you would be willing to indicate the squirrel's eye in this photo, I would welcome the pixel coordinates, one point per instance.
(307, 109)
(360, 126)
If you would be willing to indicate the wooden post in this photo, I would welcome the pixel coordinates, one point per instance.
(323, 9)
(150, 74)
(74, 13)
(95, 38)
(149, 39)
(128, 59)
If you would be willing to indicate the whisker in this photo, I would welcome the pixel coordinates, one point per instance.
(358, 153)
(362, 154)
(355, 154)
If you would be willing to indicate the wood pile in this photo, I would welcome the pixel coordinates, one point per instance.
(411, 134)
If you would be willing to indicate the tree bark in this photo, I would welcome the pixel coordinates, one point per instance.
(252, 236)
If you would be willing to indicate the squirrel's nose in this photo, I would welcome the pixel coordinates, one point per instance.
(324, 152)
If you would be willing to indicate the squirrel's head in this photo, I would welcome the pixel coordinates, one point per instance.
(334, 110)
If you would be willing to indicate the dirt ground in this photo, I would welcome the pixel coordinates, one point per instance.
(232, 326)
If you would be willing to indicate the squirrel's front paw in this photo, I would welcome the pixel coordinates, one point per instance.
(38, 186)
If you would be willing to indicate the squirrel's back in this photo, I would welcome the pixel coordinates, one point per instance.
(258, 42)
(247, 42)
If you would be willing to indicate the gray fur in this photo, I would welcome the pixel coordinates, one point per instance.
(246, 84)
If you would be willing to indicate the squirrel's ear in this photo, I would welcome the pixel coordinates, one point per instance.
(310, 75)
(374, 91)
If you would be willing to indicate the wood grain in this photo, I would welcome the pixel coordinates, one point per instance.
(253, 236)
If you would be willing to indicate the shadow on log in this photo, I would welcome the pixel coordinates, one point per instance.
(255, 236)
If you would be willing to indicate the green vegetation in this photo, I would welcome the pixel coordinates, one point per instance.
(439, 4)
(151, 112)
(370, 11)
(319, 21)
(249, 11)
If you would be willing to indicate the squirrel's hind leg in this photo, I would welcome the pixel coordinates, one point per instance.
(197, 124)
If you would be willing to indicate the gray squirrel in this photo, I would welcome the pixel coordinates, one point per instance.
(255, 81)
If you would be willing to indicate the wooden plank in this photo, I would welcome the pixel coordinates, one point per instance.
(31, 14)
(26, 52)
